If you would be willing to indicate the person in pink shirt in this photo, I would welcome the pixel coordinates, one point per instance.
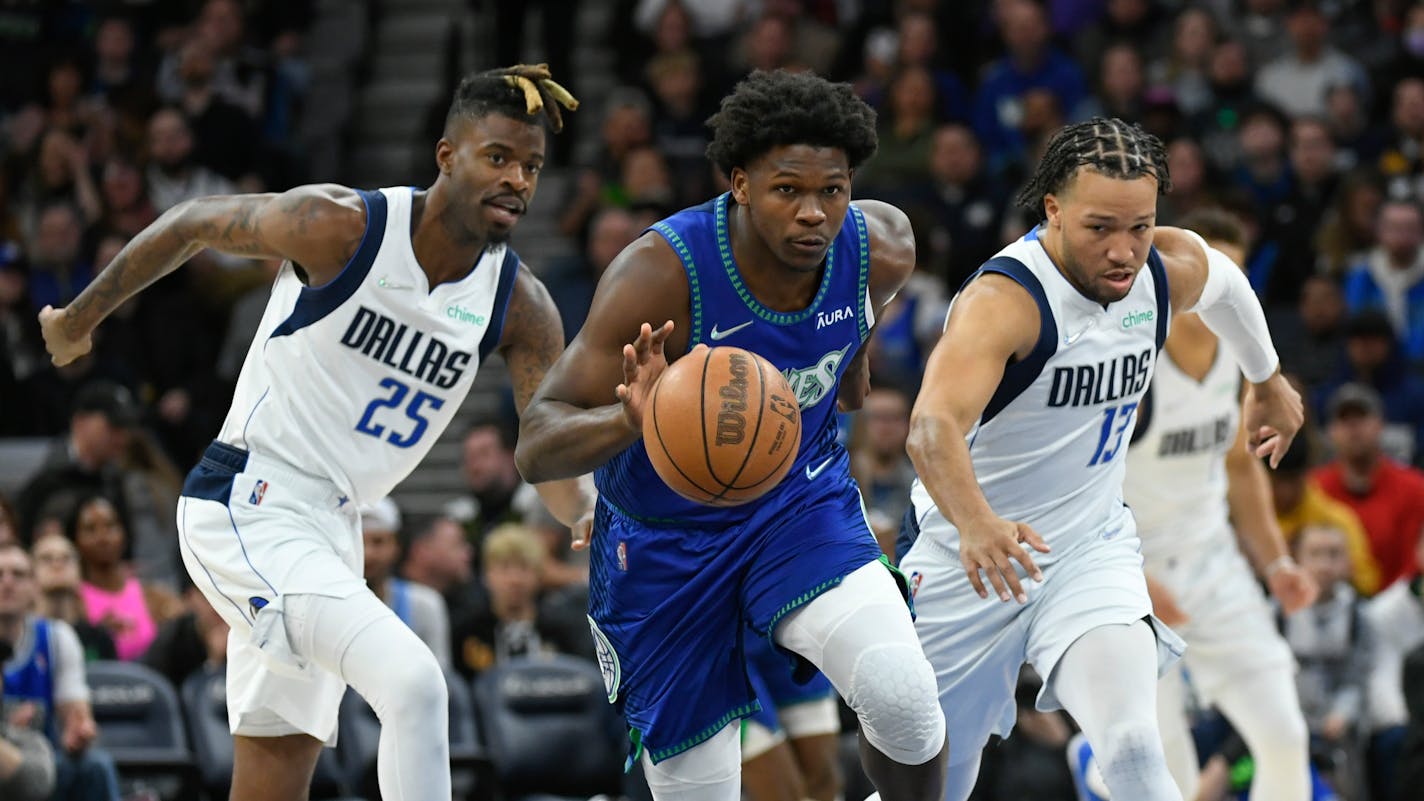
(114, 598)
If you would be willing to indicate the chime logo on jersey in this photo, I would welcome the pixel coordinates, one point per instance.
(258, 490)
(1104, 382)
(413, 352)
(812, 384)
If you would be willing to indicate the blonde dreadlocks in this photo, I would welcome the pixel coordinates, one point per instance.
(522, 91)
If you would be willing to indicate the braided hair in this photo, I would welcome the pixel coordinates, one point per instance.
(774, 109)
(524, 91)
(1110, 147)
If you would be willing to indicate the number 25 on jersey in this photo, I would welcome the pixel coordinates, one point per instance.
(418, 403)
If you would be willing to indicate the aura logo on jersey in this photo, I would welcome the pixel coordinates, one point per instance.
(1104, 382)
(413, 352)
(833, 316)
(812, 384)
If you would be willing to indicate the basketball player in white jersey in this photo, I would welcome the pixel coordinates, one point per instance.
(1189, 479)
(385, 306)
(1019, 436)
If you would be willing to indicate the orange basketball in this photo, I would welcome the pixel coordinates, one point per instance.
(722, 426)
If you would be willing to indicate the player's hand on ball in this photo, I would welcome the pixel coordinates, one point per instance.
(643, 362)
(990, 546)
(1292, 586)
(62, 347)
(1272, 414)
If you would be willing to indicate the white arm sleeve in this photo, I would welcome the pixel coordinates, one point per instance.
(68, 655)
(1232, 311)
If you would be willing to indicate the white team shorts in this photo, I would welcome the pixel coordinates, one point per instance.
(257, 536)
(1231, 628)
(978, 645)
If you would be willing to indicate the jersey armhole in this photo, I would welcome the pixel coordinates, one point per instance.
(865, 313)
(1164, 295)
(504, 290)
(1018, 376)
(694, 289)
(316, 302)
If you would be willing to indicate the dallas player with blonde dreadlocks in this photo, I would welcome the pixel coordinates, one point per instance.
(386, 303)
(1018, 438)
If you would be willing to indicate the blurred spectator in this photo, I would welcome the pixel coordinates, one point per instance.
(1262, 24)
(1358, 140)
(225, 136)
(122, 77)
(1311, 341)
(59, 174)
(880, 465)
(419, 607)
(646, 181)
(85, 461)
(1391, 276)
(1348, 230)
(1297, 80)
(194, 640)
(21, 348)
(1387, 496)
(440, 557)
(919, 46)
(706, 18)
(58, 269)
(906, 331)
(492, 480)
(114, 598)
(1398, 615)
(1402, 163)
(1030, 63)
(173, 174)
(127, 207)
(1410, 774)
(627, 126)
(1293, 221)
(1232, 96)
(26, 760)
(517, 622)
(906, 132)
(1120, 87)
(959, 204)
(1184, 69)
(240, 75)
(1332, 643)
(785, 36)
(1191, 181)
(679, 132)
(1372, 358)
(571, 280)
(1131, 21)
(45, 688)
(56, 566)
(9, 527)
(1029, 762)
(557, 20)
(1301, 504)
(1263, 171)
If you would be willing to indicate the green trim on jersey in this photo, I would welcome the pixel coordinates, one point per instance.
(864, 283)
(694, 289)
(736, 713)
(724, 245)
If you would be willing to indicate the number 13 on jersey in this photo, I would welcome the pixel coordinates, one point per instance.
(1116, 420)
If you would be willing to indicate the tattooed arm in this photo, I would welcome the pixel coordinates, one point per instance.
(318, 227)
(531, 342)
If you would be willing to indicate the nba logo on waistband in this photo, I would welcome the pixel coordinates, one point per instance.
(915, 578)
(258, 490)
(623, 556)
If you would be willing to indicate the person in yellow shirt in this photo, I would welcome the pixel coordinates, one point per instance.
(1300, 503)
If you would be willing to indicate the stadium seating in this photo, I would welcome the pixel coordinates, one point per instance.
(141, 726)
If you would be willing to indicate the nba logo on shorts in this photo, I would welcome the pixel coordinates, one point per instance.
(623, 556)
(258, 490)
(915, 578)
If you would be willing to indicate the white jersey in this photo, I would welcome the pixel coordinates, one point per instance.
(1176, 466)
(1049, 449)
(353, 381)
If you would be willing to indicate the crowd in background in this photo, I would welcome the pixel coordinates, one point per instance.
(1306, 119)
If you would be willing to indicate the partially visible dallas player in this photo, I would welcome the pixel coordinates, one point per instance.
(791, 748)
(1190, 481)
(387, 304)
(1019, 437)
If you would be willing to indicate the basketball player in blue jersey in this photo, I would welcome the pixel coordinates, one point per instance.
(379, 317)
(1019, 436)
(786, 266)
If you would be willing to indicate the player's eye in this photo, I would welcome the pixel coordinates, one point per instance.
(496, 158)
(532, 169)
(832, 190)
(785, 189)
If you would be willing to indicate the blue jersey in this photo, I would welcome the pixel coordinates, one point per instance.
(811, 347)
(29, 677)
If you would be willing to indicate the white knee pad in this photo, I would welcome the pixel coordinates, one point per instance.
(710, 771)
(893, 692)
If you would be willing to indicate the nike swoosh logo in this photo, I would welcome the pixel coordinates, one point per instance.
(716, 335)
(386, 283)
(811, 474)
(1069, 340)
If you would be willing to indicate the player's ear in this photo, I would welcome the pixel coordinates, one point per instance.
(740, 190)
(444, 156)
(1052, 210)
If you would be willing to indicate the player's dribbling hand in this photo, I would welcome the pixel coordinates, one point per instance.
(1292, 586)
(62, 347)
(643, 362)
(1272, 414)
(990, 546)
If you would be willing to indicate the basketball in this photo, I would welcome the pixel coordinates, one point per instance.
(722, 426)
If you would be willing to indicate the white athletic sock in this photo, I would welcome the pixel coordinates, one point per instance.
(1177, 741)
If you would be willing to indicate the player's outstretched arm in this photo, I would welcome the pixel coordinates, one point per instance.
(1248, 492)
(318, 227)
(892, 253)
(532, 339)
(589, 406)
(992, 321)
(1204, 280)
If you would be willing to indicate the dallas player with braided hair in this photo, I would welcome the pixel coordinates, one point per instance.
(385, 305)
(1019, 436)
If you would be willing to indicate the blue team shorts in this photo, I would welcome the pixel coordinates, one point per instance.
(670, 605)
(770, 671)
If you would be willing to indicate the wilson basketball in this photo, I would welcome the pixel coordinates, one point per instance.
(722, 426)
